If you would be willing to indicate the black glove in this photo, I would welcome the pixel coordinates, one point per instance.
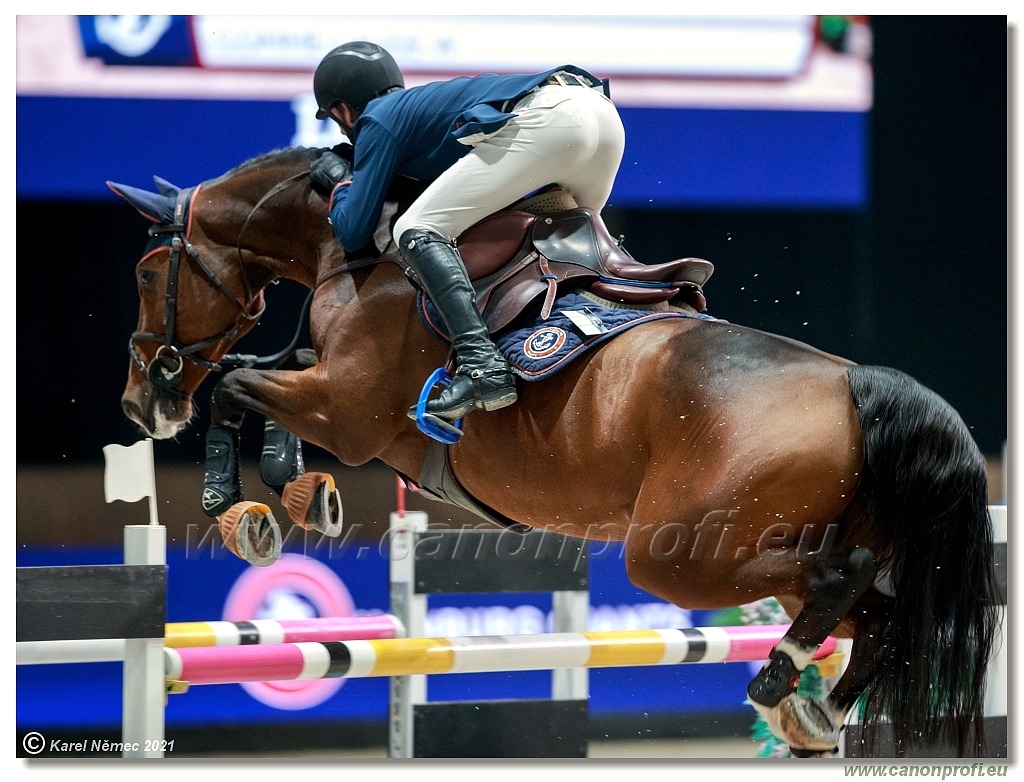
(329, 169)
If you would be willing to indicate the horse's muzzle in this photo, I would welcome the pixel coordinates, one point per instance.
(159, 420)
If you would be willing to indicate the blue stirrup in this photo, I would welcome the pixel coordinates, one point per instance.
(430, 424)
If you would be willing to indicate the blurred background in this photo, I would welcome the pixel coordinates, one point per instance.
(846, 175)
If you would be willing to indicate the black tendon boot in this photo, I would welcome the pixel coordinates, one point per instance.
(483, 378)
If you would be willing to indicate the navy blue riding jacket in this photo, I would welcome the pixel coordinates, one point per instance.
(416, 133)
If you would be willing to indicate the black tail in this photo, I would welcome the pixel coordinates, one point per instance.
(931, 495)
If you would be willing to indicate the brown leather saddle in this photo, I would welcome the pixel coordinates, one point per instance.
(514, 257)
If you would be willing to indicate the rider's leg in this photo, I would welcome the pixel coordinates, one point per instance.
(569, 136)
(483, 379)
(560, 134)
(590, 179)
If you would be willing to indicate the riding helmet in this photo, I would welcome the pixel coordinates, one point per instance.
(354, 73)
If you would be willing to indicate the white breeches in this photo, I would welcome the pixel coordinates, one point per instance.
(569, 136)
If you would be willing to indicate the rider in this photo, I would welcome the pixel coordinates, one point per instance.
(482, 143)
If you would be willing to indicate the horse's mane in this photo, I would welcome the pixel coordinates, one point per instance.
(282, 154)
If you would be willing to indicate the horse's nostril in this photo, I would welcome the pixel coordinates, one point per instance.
(132, 410)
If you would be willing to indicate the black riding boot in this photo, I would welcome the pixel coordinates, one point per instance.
(483, 379)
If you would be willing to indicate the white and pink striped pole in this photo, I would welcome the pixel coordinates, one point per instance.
(473, 654)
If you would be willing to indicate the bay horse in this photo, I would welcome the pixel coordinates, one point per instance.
(733, 464)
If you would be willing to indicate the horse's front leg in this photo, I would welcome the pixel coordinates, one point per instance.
(222, 481)
(311, 498)
(248, 529)
(280, 460)
(281, 457)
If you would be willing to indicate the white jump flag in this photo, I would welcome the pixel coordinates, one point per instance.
(130, 475)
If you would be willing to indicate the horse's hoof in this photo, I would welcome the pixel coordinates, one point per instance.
(250, 532)
(806, 723)
(314, 503)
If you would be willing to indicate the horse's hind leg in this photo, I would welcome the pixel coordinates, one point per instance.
(870, 618)
(835, 582)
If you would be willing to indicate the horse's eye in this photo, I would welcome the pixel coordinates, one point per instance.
(146, 278)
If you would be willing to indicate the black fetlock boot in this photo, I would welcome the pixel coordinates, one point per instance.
(222, 482)
(483, 378)
(281, 459)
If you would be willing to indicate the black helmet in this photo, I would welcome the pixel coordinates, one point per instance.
(354, 73)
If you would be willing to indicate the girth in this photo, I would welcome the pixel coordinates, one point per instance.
(437, 481)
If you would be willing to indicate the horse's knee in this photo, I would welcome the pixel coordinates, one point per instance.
(305, 358)
(229, 399)
(224, 409)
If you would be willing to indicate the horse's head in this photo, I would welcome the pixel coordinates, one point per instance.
(196, 299)
(213, 249)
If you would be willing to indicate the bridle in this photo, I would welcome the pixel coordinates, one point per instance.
(166, 368)
(168, 363)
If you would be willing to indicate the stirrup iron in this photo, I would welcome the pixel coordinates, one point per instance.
(431, 425)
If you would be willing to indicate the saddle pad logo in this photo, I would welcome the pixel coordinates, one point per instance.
(544, 342)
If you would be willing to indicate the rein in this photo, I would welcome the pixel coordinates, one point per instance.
(238, 360)
(249, 360)
(246, 360)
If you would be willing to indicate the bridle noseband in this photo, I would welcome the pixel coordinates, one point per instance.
(165, 370)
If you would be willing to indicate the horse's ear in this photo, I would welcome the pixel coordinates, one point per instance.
(158, 207)
(165, 187)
